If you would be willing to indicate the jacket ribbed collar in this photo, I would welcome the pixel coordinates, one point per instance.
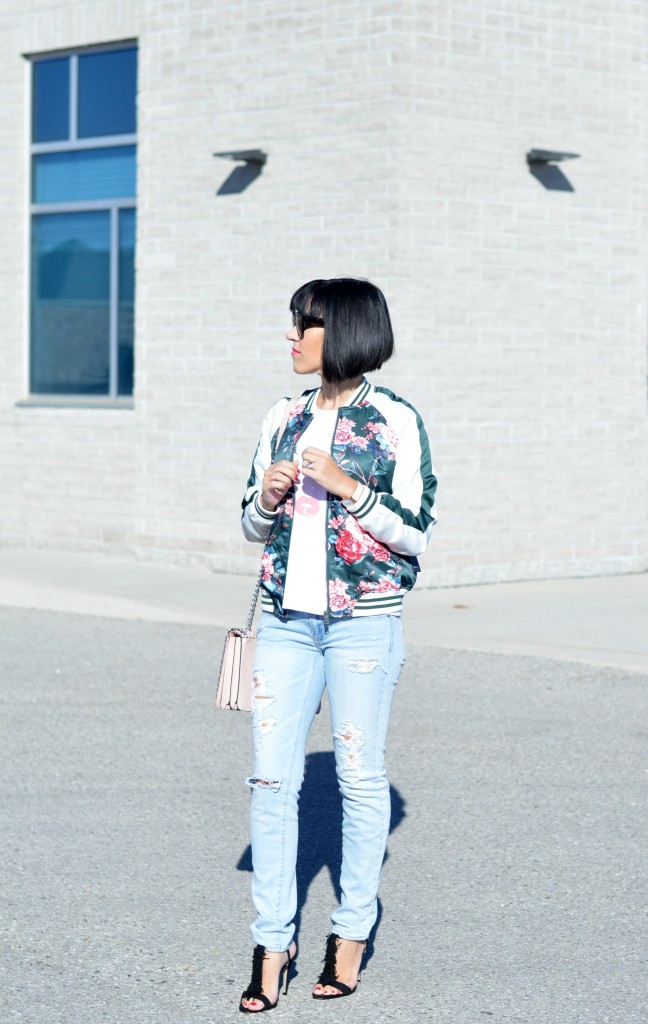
(358, 396)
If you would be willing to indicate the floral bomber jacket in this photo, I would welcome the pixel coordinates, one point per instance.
(372, 543)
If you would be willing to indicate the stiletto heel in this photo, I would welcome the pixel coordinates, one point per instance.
(255, 988)
(329, 973)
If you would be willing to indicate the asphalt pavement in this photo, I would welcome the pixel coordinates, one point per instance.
(515, 883)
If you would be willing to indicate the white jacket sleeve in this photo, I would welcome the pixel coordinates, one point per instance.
(256, 520)
(402, 520)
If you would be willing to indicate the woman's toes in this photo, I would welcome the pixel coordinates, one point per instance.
(325, 990)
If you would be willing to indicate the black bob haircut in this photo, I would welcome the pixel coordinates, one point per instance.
(358, 334)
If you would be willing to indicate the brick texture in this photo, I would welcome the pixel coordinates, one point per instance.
(396, 135)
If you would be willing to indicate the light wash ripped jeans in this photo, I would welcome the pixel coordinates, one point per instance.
(359, 661)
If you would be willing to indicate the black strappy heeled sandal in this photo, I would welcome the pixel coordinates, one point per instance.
(255, 988)
(329, 976)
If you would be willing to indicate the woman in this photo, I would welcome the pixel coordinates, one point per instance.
(340, 493)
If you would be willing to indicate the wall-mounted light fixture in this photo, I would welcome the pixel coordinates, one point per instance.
(251, 161)
(548, 156)
(542, 165)
(245, 156)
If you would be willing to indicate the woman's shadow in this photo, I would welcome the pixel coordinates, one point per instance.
(320, 830)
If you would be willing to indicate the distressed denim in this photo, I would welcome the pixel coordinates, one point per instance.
(359, 661)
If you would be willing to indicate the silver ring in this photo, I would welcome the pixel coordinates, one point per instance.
(309, 465)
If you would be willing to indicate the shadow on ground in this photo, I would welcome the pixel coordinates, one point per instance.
(320, 830)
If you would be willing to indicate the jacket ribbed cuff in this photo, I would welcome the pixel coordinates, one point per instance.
(263, 512)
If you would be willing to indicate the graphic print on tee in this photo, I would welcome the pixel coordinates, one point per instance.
(307, 505)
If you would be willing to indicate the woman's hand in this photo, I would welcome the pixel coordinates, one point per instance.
(277, 480)
(320, 466)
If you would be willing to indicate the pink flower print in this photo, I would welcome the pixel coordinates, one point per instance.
(353, 542)
(374, 428)
(344, 431)
(388, 440)
(335, 521)
(359, 442)
(267, 566)
(380, 586)
(348, 547)
(339, 600)
(288, 508)
(358, 534)
(379, 551)
(384, 584)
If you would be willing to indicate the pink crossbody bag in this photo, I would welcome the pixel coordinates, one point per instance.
(234, 691)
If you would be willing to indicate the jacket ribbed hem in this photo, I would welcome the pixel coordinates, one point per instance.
(389, 603)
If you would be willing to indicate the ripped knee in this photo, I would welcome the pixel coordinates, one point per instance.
(351, 743)
(272, 785)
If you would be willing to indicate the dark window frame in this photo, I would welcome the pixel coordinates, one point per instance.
(113, 206)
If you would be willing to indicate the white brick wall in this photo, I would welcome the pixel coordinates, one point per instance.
(537, 362)
(396, 135)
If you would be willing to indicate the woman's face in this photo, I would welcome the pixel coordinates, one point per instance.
(306, 351)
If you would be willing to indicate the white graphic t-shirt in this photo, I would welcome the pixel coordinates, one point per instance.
(306, 586)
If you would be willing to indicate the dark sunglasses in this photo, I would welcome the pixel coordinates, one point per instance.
(302, 321)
